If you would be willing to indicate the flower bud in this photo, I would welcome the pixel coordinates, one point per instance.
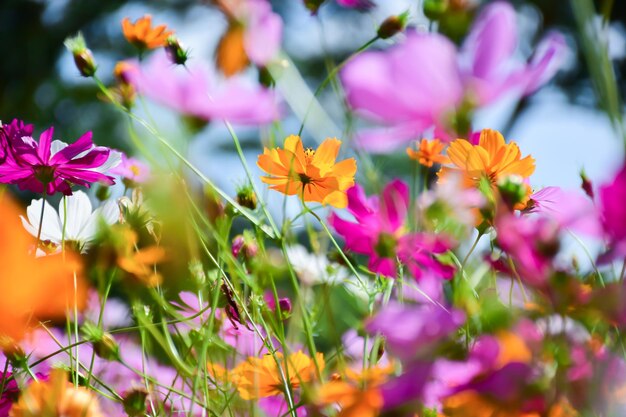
(135, 402)
(103, 192)
(313, 5)
(175, 51)
(245, 246)
(586, 185)
(392, 25)
(434, 9)
(246, 197)
(512, 190)
(104, 345)
(83, 58)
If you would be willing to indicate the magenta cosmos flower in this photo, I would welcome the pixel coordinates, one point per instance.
(52, 166)
(380, 233)
(613, 216)
(426, 81)
(195, 91)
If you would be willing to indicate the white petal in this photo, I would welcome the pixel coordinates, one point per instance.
(78, 213)
(115, 158)
(109, 212)
(51, 228)
(56, 146)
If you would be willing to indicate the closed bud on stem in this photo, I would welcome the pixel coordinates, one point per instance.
(586, 185)
(135, 402)
(246, 197)
(83, 58)
(175, 51)
(104, 345)
(392, 25)
(434, 9)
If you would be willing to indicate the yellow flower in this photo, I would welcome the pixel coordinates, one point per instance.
(143, 35)
(429, 153)
(261, 377)
(314, 175)
(491, 158)
(56, 397)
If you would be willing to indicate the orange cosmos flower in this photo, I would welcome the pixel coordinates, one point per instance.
(429, 153)
(261, 377)
(56, 397)
(230, 55)
(143, 35)
(312, 174)
(491, 158)
(32, 288)
(358, 394)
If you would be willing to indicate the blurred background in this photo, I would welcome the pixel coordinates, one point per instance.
(561, 126)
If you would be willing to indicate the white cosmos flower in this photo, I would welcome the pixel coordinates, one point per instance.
(81, 221)
(314, 269)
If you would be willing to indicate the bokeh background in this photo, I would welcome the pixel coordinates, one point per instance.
(562, 125)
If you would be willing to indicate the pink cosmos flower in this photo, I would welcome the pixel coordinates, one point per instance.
(569, 209)
(263, 28)
(356, 4)
(52, 166)
(132, 170)
(380, 233)
(613, 216)
(531, 243)
(413, 331)
(195, 91)
(425, 81)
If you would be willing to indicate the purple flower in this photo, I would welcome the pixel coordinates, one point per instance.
(263, 29)
(380, 233)
(425, 81)
(194, 91)
(53, 166)
(413, 331)
(613, 216)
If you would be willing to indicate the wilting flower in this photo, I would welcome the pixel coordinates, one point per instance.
(380, 233)
(51, 166)
(143, 35)
(492, 159)
(76, 227)
(314, 175)
(32, 288)
(195, 91)
(254, 35)
(262, 377)
(425, 81)
(56, 397)
(428, 153)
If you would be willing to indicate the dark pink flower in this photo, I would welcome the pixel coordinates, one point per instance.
(380, 233)
(532, 245)
(53, 166)
(10, 393)
(425, 81)
(195, 91)
(613, 216)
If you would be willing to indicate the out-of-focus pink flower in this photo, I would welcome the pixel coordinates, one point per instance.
(412, 331)
(380, 233)
(569, 209)
(532, 244)
(132, 169)
(196, 91)
(425, 81)
(53, 166)
(262, 28)
(613, 216)
(356, 4)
